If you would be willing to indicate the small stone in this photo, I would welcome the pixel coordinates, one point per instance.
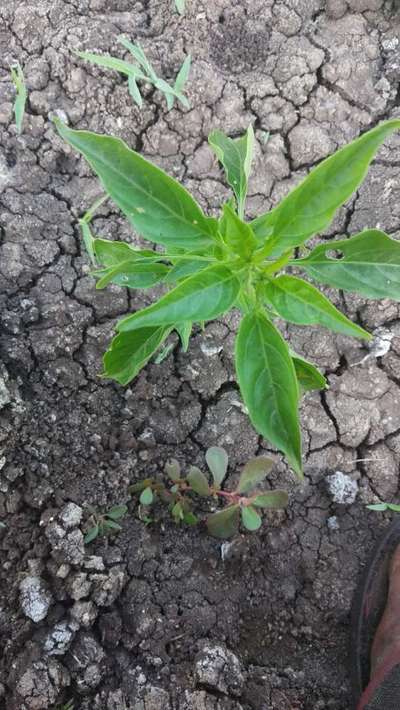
(84, 613)
(59, 639)
(94, 562)
(333, 523)
(342, 488)
(107, 588)
(79, 586)
(5, 397)
(63, 571)
(219, 669)
(41, 684)
(71, 516)
(54, 533)
(85, 662)
(35, 598)
(70, 549)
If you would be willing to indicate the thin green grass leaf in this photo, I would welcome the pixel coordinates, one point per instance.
(17, 77)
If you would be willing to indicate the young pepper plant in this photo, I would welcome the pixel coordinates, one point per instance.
(180, 493)
(215, 265)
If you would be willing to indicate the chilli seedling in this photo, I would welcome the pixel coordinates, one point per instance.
(142, 70)
(181, 494)
(104, 523)
(210, 266)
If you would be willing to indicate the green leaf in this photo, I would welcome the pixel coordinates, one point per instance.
(132, 274)
(268, 384)
(180, 6)
(91, 534)
(298, 302)
(146, 496)
(140, 486)
(134, 91)
(276, 500)
(368, 263)
(18, 80)
(224, 523)
(173, 469)
(138, 54)
(378, 506)
(183, 75)
(117, 512)
(237, 234)
(308, 376)
(190, 519)
(201, 297)
(129, 352)
(88, 240)
(311, 206)
(217, 461)
(184, 331)
(394, 507)
(111, 525)
(236, 156)
(119, 65)
(184, 268)
(163, 354)
(177, 512)
(157, 206)
(197, 480)
(255, 471)
(113, 253)
(250, 518)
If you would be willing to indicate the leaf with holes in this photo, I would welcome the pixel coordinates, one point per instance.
(368, 263)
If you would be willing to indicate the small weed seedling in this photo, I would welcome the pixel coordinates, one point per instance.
(142, 70)
(181, 494)
(381, 507)
(104, 523)
(213, 265)
(17, 77)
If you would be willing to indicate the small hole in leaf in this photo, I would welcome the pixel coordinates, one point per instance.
(334, 254)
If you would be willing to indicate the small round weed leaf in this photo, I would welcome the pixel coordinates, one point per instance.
(111, 525)
(254, 472)
(198, 482)
(378, 506)
(250, 518)
(271, 499)
(146, 497)
(225, 523)
(217, 462)
(177, 512)
(190, 518)
(140, 486)
(91, 534)
(173, 469)
(118, 511)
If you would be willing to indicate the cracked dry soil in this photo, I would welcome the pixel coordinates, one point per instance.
(154, 619)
